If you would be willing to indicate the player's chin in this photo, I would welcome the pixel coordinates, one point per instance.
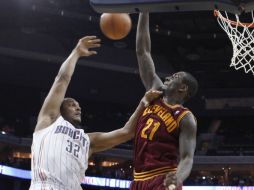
(163, 87)
(77, 120)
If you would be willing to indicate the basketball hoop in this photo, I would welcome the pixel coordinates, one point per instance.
(241, 35)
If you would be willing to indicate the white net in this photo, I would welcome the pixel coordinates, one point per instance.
(241, 36)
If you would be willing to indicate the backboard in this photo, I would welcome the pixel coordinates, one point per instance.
(131, 6)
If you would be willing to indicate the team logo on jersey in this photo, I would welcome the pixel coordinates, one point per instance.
(177, 112)
(162, 113)
(74, 134)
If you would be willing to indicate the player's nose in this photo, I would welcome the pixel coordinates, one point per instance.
(78, 108)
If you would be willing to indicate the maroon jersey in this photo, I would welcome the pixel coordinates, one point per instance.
(157, 140)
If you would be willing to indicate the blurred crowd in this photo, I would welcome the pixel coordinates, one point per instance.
(224, 138)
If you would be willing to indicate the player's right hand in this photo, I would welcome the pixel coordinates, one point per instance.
(170, 181)
(171, 187)
(150, 96)
(85, 43)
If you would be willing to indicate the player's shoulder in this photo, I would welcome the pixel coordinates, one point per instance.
(183, 114)
(58, 121)
(178, 110)
(187, 119)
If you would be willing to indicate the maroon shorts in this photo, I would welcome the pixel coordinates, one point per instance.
(155, 183)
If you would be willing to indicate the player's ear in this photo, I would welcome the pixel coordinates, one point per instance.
(183, 88)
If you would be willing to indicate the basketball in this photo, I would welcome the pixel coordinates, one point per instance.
(115, 26)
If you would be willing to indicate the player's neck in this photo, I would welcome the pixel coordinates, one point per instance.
(172, 100)
(76, 124)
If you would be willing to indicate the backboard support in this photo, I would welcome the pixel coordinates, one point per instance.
(248, 7)
(132, 6)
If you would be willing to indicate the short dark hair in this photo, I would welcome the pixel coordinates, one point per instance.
(63, 102)
(192, 84)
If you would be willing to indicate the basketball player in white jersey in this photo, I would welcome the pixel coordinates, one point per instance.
(60, 148)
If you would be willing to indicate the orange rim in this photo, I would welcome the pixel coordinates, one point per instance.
(243, 24)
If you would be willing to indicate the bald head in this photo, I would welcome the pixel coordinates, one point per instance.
(192, 84)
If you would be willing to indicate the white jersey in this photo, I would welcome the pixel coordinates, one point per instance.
(59, 157)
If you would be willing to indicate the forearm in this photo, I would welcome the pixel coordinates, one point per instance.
(143, 51)
(104, 141)
(67, 69)
(143, 41)
(183, 170)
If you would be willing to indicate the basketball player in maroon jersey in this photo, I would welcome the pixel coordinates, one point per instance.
(60, 148)
(165, 139)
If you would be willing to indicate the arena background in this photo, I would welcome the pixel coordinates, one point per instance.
(37, 35)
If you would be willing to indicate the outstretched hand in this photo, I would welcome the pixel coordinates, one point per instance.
(150, 96)
(87, 42)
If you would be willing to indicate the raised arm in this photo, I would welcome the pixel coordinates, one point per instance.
(50, 109)
(103, 141)
(143, 50)
(187, 145)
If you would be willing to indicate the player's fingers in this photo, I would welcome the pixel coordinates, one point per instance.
(154, 92)
(169, 174)
(157, 93)
(173, 181)
(95, 45)
(91, 53)
(89, 38)
(97, 40)
(164, 183)
(172, 177)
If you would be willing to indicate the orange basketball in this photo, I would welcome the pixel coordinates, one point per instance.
(115, 25)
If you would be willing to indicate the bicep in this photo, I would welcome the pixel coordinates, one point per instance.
(147, 72)
(187, 140)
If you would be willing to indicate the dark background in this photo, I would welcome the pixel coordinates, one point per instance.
(37, 35)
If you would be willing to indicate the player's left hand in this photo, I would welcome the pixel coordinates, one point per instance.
(150, 96)
(170, 181)
(86, 43)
